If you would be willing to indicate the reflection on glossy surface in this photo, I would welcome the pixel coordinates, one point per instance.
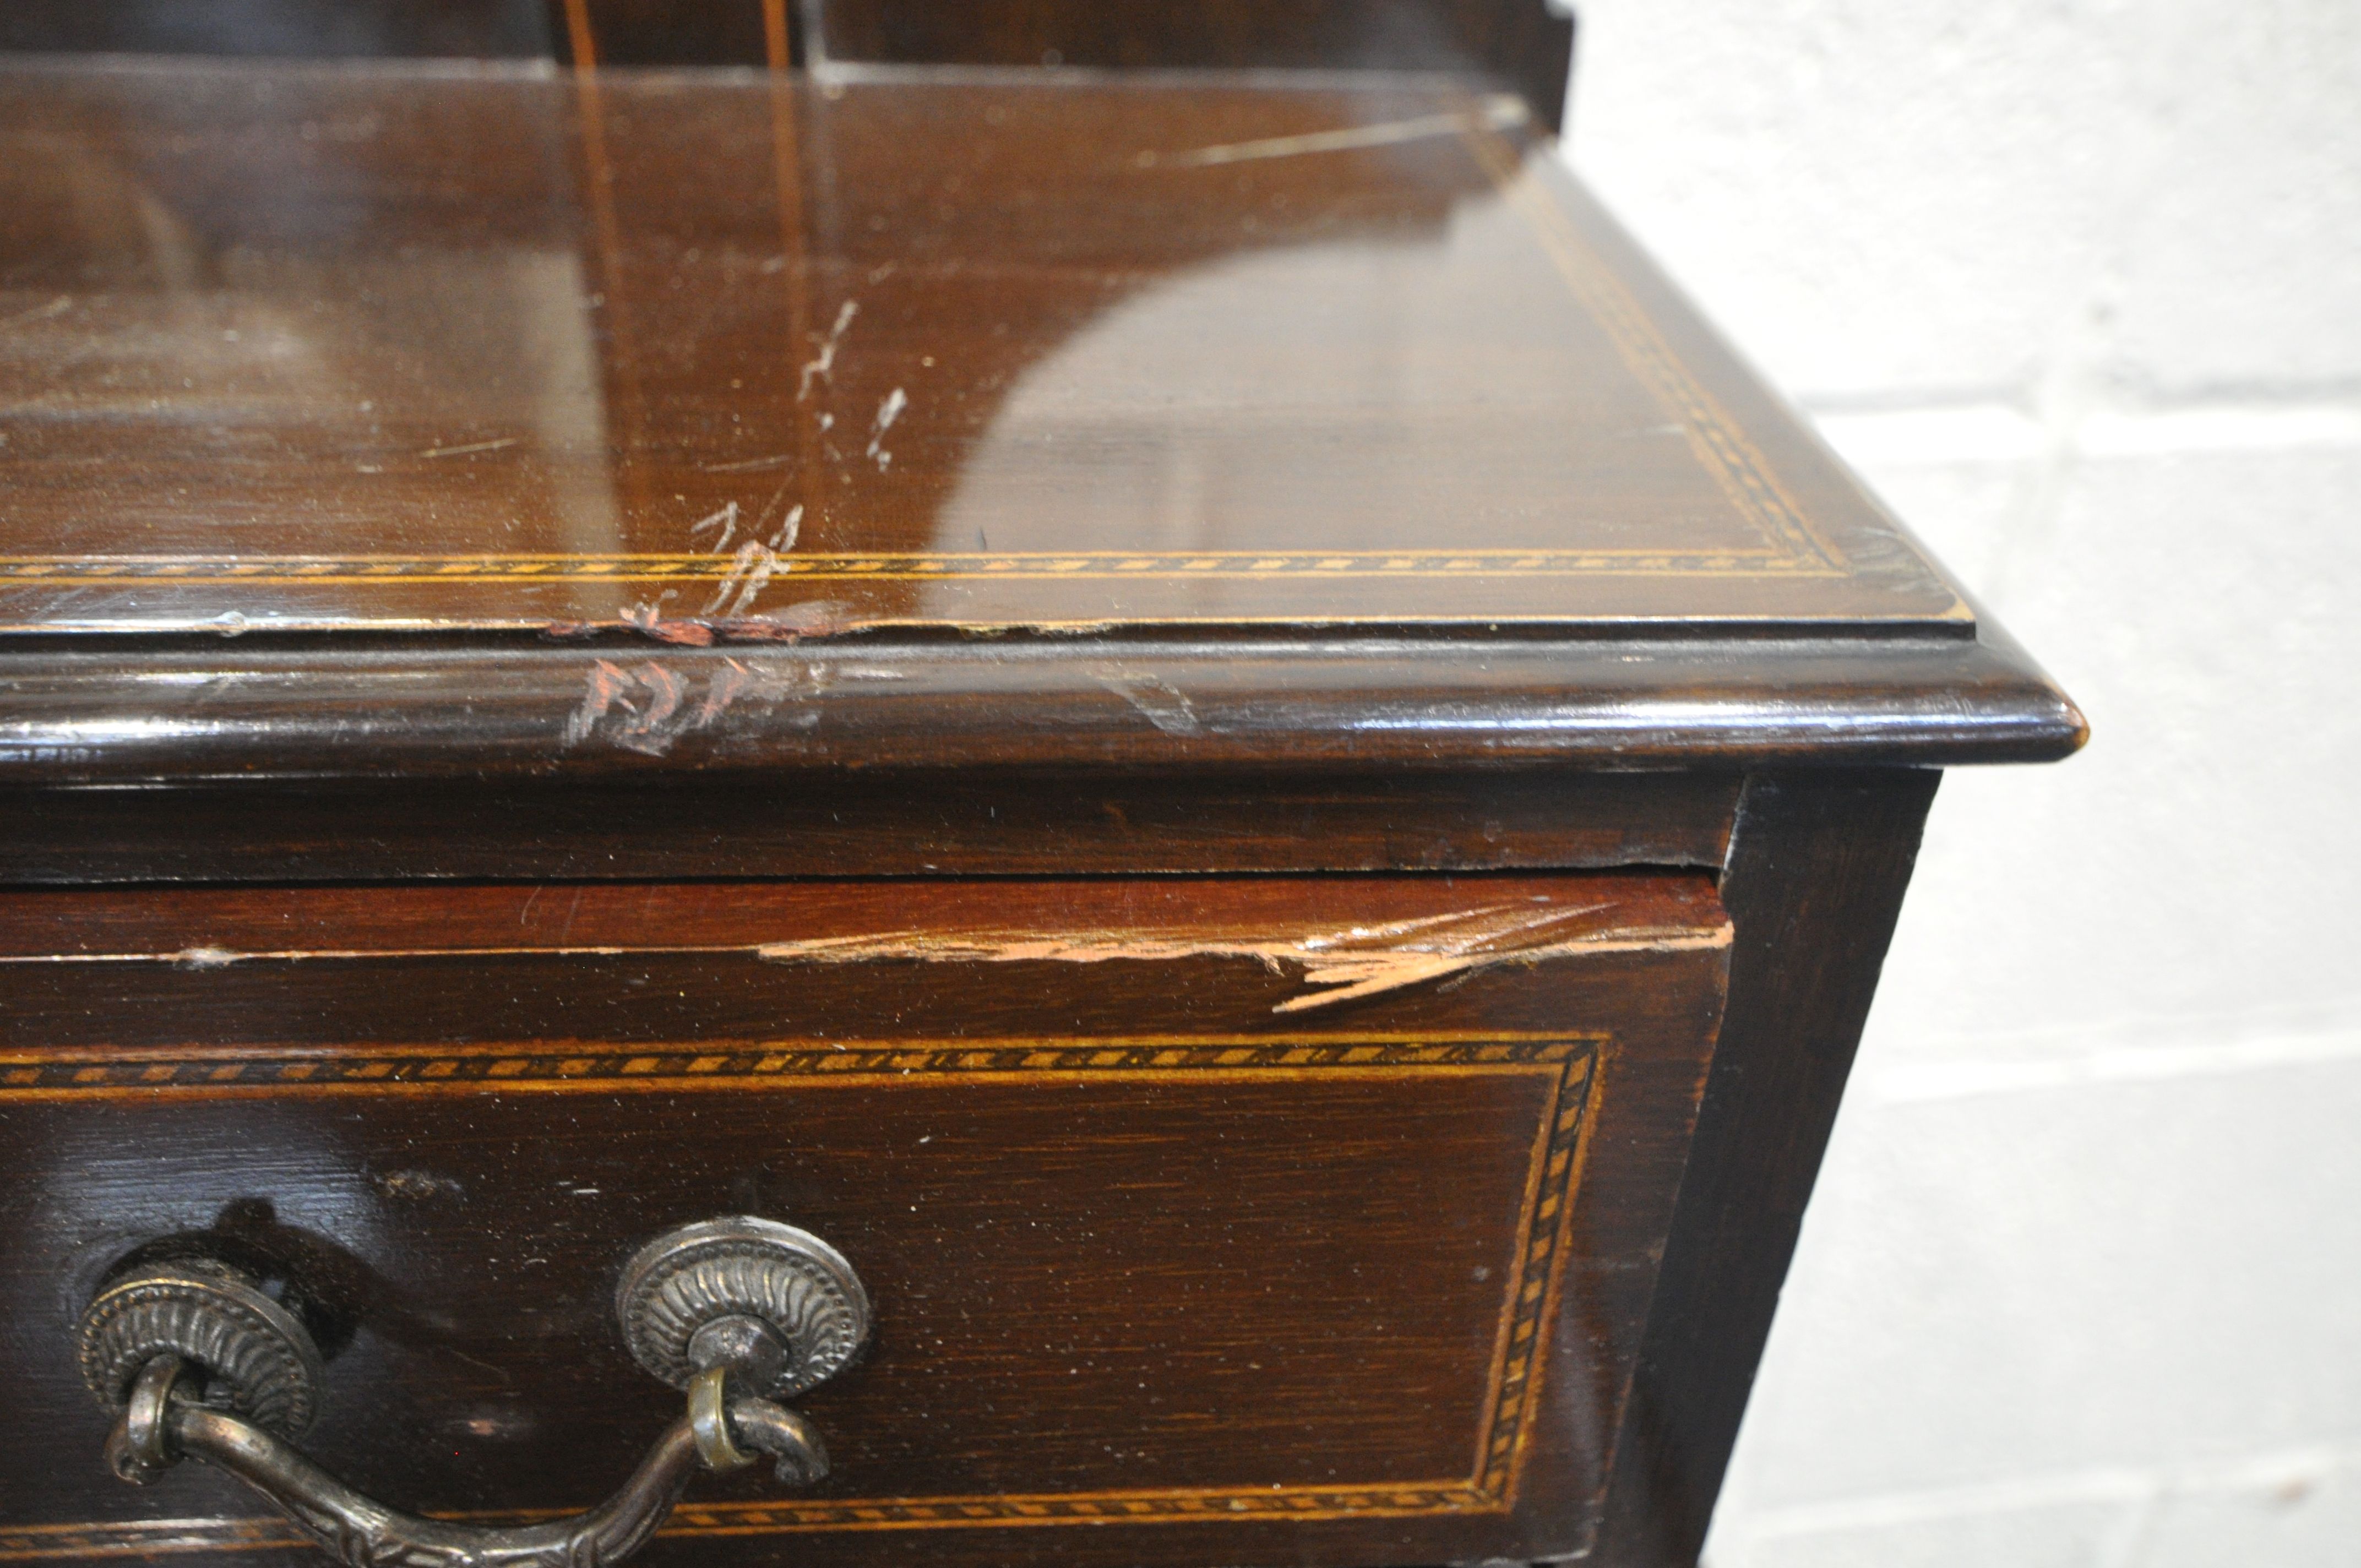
(297, 345)
(1364, 397)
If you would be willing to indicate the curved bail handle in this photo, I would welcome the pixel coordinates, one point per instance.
(203, 1363)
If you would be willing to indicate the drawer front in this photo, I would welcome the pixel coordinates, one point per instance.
(1259, 1221)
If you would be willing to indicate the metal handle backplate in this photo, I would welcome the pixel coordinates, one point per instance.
(198, 1360)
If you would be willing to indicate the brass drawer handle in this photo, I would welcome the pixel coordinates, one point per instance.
(740, 1313)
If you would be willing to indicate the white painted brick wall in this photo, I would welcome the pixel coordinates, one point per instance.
(2076, 284)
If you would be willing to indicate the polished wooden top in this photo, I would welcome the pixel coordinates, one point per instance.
(491, 359)
(332, 349)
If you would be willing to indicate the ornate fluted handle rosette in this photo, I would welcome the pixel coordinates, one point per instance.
(200, 1362)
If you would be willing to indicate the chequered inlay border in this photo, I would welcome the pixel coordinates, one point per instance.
(1792, 546)
(1503, 1434)
(887, 566)
(1720, 446)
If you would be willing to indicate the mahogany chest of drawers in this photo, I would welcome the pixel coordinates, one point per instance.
(1155, 805)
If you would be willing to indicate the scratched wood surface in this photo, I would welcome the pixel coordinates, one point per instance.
(1178, 422)
(265, 713)
(727, 354)
(908, 477)
(1359, 1281)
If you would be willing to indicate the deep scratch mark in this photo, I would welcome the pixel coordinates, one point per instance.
(471, 446)
(648, 706)
(56, 307)
(887, 412)
(604, 689)
(749, 572)
(651, 730)
(1340, 965)
(725, 520)
(790, 529)
(1160, 702)
(824, 366)
(1500, 114)
(729, 683)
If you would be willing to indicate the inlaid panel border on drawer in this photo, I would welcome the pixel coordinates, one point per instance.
(1572, 1060)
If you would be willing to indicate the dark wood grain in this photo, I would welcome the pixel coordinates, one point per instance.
(1159, 361)
(614, 917)
(1818, 865)
(1161, 1241)
(1522, 44)
(1446, 429)
(339, 29)
(244, 710)
(871, 823)
(607, 33)
(582, 650)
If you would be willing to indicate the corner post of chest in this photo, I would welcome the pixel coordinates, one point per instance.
(1817, 864)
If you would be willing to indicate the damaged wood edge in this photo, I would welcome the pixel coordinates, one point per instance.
(1343, 968)
(273, 713)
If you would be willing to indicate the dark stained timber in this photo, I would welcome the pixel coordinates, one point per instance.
(729, 358)
(923, 824)
(1111, 1290)
(248, 711)
(1526, 44)
(1817, 866)
(1163, 701)
(1189, 421)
